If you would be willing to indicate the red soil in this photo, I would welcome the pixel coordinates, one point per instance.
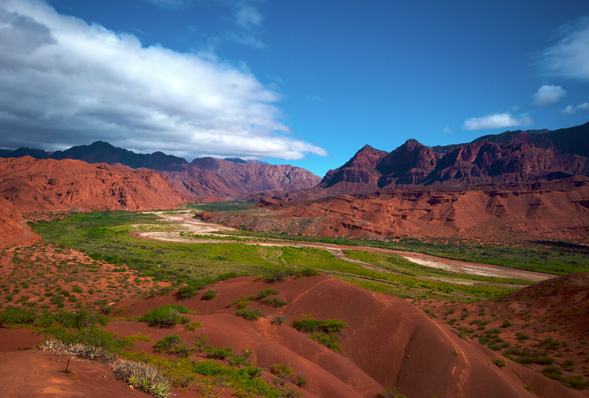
(388, 342)
(10, 220)
(555, 309)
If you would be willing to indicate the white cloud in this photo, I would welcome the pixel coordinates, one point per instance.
(170, 3)
(571, 110)
(64, 82)
(498, 120)
(448, 130)
(548, 95)
(569, 57)
(247, 16)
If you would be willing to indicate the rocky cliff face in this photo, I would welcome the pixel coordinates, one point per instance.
(510, 157)
(10, 219)
(226, 179)
(557, 210)
(34, 185)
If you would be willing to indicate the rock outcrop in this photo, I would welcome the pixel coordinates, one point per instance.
(227, 179)
(35, 185)
(556, 210)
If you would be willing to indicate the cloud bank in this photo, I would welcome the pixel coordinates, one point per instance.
(548, 95)
(569, 57)
(64, 82)
(498, 120)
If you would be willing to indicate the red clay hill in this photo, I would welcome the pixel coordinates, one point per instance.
(387, 342)
(224, 178)
(556, 209)
(37, 185)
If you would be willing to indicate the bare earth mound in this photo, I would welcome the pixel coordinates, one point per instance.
(544, 324)
(387, 342)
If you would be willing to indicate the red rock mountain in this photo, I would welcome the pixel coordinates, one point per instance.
(228, 179)
(511, 157)
(33, 185)
(204, 177)
(558, 209)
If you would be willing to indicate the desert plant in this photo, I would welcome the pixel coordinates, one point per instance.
(250, 315)
(166, 316)
(143, 377)
(219, 353)
(209, 295)
(172, 344)
(391, 392)
(282, 370)
(499, 362)
(192, 326)
(279, 320)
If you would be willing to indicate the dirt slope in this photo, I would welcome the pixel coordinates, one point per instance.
(10, 219)
(550, 318)
(388, 342)
(34, 185)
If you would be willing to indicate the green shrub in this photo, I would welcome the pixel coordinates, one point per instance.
(172, 344)
(192, 326)
(274, 302)
(166, 316)
(499, 362)
(17, 315)
(250, 315)
(188, 292)
(281, 370)
(265, 293)
(209, 295)
(324, 332)
(241, 302)
(391, 392)
(218, 353)
(92, 336)
(308, 325)
(552, 372)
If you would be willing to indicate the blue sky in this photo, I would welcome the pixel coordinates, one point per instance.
(303, 82)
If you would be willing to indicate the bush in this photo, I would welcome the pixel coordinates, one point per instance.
(324, 332)
(188, 292)
(309, 325)
(265, 293)
(218, 353)
(209, 295)
(279, 320)
(172, 344)
(250, 315)
(552, 372)
(143, 377)
(17, 315)
(166, 316)
(391, 392)
(281, 370)
(499, 362)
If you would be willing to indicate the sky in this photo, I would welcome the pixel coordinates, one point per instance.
(301, 82)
